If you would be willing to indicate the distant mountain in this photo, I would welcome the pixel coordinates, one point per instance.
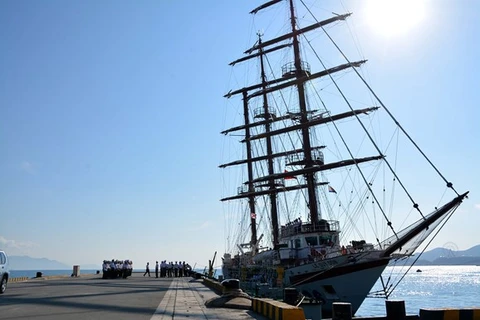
(437, 253)
(28, 263)
(473, 251)
(446, 256)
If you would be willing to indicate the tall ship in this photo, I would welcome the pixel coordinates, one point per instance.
(329, 188)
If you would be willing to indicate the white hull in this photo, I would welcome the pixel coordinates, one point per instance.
(352, 284)
(345, 278)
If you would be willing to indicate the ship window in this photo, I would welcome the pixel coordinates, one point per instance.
(334, 239)
(297, 243)
(312, 241)
(325, 240)
(291, 243)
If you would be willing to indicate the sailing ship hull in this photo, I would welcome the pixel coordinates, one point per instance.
(344, 278)
(349, 283)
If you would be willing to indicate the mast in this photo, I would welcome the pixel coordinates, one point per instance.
(294, 74)
(268, 115)
(251, 188)
(299, 73)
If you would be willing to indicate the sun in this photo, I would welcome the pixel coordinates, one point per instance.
(394, 17)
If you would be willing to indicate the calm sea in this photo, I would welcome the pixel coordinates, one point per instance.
(33, 273)
(433, 287)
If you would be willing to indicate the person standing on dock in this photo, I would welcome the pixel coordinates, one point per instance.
(147, 269)
(170, 269)
(156, 269)
(163, 271)
(175, 269)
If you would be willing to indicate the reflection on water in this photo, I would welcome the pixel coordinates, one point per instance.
(434, 287)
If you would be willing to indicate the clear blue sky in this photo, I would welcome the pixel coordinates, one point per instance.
(111, 113)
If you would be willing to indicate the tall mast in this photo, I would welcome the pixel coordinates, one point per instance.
(251, 188)
(299, 73)
(293, 75)
(268, 115)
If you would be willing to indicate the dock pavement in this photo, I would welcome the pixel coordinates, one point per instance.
(186, 299)
(135, 298)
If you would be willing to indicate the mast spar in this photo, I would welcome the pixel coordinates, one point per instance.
(251, 187)
(294, 74)
(266, 114)
(310, 177)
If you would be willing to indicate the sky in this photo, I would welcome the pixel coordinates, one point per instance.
(111, 113)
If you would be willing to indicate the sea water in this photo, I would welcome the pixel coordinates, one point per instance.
(33, 273)
(429, 287)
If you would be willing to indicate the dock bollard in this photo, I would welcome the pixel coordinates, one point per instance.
(76, 271)
(341, 311)
(395, 309)
(230, 285)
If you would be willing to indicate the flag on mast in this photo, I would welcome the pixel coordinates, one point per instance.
(330, 189)
(289, 177)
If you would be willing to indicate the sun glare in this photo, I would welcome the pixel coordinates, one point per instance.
(394, 17)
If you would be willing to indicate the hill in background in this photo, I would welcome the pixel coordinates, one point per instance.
(29, 263)
(446, 253)
(448, 257)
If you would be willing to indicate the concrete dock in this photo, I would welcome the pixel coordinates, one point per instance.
(137, 297)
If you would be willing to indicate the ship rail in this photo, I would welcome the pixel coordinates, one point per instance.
(297, 227)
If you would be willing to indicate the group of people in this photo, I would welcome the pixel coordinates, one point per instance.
(117, 269)
(123, 269)
(166, 269)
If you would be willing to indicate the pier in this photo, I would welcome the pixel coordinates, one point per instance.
(91, 297)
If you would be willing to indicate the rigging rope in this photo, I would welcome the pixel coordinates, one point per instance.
(389, 223)
(415, 205)
(449, 184)
(428, 244)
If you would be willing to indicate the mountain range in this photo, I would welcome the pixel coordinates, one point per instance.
(445, 256)
(29, 263)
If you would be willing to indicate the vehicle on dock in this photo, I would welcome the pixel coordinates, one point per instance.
(4, 271)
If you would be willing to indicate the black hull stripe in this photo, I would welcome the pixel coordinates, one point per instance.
(336, 271)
